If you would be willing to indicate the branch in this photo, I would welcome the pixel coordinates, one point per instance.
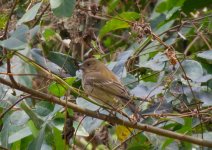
(111, 119)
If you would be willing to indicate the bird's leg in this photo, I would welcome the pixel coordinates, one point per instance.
(97, 111)
(111, 113)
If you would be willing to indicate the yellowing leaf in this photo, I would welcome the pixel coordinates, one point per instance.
(123, 132)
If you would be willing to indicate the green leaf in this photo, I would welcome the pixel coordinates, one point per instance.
(118, 22)
(59, 142)
(62, 8)
(3, 20)
(48, 34)
(33, 129)
(25, 142)
(138, 142)
(161, 7)
(37, 143)
(30, 14)
(187, 127)
(16, 145)
(58, 89)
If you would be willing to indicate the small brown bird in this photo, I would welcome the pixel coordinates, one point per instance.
(104, 87)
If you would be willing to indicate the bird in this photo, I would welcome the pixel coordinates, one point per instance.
(103, 86)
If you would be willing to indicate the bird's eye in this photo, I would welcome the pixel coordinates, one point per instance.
(88, 64)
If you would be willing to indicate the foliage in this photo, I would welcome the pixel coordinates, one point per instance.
(161, 50)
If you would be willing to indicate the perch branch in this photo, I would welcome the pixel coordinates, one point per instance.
(111, 119)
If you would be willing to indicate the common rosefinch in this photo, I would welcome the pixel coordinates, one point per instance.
(104, 87)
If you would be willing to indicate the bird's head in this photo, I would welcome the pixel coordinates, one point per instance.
(91, 65)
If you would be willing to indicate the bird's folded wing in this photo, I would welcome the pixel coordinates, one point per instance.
(109, 86)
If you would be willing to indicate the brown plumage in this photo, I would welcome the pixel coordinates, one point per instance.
(104, 87)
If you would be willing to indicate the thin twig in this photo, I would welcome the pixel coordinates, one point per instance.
(42, 13)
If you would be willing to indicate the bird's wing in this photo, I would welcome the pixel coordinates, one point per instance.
(107, 85)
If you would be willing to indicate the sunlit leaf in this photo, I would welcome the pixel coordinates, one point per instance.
(58, 89)
(119, 22)
(38, 141)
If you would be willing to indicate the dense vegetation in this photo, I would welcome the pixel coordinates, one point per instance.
(161, 50)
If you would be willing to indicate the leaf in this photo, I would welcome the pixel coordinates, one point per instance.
(138, 142)
(13, 44)
(80, 129)
(48, 33)
(3, 20)
(205, 78)
(20, 134)
(147, 89)
(193, 69)
(62, 8)
(118, 22)
(58, 63)
(4, 135)
(119, 67)
(32, 128)
(59, 142)
(205, 97)
(184, 129)
(58, 89)
(161, 7)
(38, 141)
(130, 81)
(43, 108)
(89, 123)
(123, 132)
(32, 115)
(68, 63)
(19, 117)
(30, 14)
(18, 39)
(206, 55)
(157, 63)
